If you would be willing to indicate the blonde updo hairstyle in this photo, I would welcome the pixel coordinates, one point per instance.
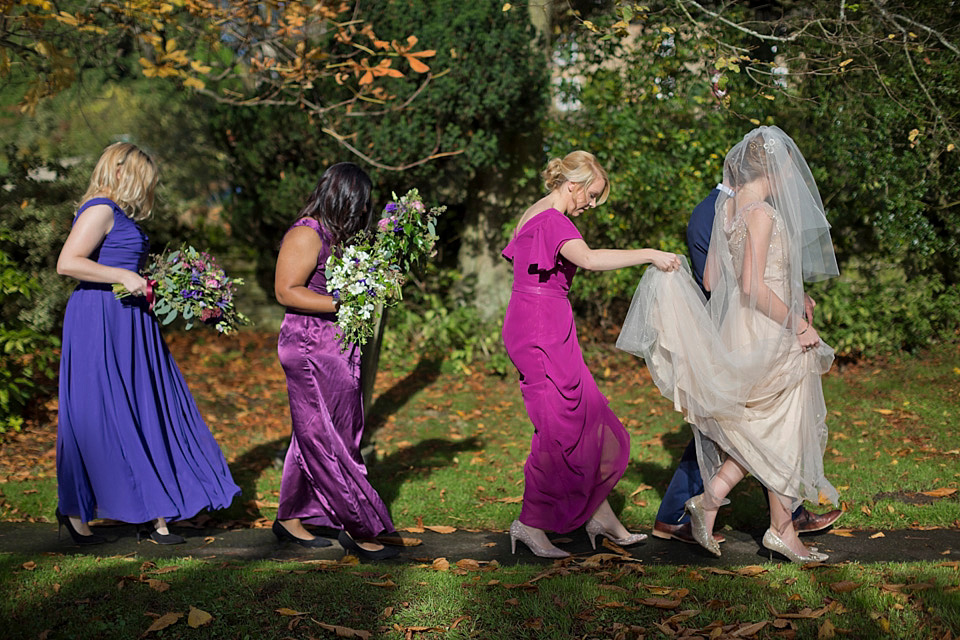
(580, 168)
(128, 176)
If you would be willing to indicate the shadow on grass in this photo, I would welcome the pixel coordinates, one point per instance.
(247, 470)
(420, 460)
(387, 475)
(390, 401)
(748, 504)
(110, 598)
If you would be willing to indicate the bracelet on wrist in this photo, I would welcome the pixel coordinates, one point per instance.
(804, 329)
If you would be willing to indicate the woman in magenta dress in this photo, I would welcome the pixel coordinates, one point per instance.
(324, 479)
(579, 449)
(131, 444)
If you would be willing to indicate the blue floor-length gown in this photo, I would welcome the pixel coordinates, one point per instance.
(131, 444)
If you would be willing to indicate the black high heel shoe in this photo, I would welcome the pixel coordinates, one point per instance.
(350, 545)
(79, 538)
(283, 535)
(154, 536)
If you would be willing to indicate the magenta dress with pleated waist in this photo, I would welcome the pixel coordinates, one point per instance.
(324, 480)
(579, 449)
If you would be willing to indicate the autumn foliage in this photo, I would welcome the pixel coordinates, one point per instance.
(245, 53)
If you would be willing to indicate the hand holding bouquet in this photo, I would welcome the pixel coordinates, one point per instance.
(190, 284)
(372, 270)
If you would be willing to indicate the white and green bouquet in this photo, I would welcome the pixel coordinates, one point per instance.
(370, 272)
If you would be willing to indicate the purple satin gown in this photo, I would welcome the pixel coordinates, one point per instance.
(324, 479)
(579, 449)
(131, 444)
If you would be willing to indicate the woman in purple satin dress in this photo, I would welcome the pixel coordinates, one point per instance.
(324, 479)
(131, 444)
(579, 449)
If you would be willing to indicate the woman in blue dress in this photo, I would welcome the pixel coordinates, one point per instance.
(131, 444)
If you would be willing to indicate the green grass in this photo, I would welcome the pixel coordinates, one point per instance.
(453, 452)
(450, 450)
(83, 596)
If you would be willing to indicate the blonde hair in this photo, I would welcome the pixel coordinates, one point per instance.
(578, 167)
(128, 176)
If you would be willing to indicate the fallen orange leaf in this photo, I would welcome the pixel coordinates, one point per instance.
(345, 632)
(198, 617)
(826, 631)
(660, 603)
(939, 493)
(400, 541)
(442, 528)
(163, 622)
(749, 630)
(387, 584)
(843, 533)
(157, 585)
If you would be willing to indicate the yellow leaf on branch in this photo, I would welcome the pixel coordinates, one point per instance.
(194, 83)
(199, 67)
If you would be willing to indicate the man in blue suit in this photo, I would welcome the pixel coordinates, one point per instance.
(672, 522)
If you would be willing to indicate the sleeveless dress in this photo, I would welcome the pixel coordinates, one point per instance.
(324, 479)
(131, 444)
(746, 386)
(579, 448)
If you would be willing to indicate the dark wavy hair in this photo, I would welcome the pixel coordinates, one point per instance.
(341, 202)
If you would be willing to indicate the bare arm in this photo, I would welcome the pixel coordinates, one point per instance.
(577, 252)
(708, 274)
(809, 304)
(86, 235)
(297, 260)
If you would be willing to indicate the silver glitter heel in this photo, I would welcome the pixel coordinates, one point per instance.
(698, 525)
(773, 543)
(519, 532)
(595, 529)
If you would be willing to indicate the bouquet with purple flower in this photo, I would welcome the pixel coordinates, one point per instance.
(370, 272)
(190, 284)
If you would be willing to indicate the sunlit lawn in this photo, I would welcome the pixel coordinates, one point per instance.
(123, 597)
(449, 449)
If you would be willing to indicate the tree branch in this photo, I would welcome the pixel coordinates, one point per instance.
(740, 27)
(893, 17)
(342, 141)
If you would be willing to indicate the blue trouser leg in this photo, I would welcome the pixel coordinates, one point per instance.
(685, 483)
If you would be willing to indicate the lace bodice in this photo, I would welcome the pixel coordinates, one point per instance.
(775, 272)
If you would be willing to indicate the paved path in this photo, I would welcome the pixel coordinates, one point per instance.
(741, 548)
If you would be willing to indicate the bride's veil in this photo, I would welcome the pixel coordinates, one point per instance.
(731, 362)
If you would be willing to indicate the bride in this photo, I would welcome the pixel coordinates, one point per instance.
(744, 367)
